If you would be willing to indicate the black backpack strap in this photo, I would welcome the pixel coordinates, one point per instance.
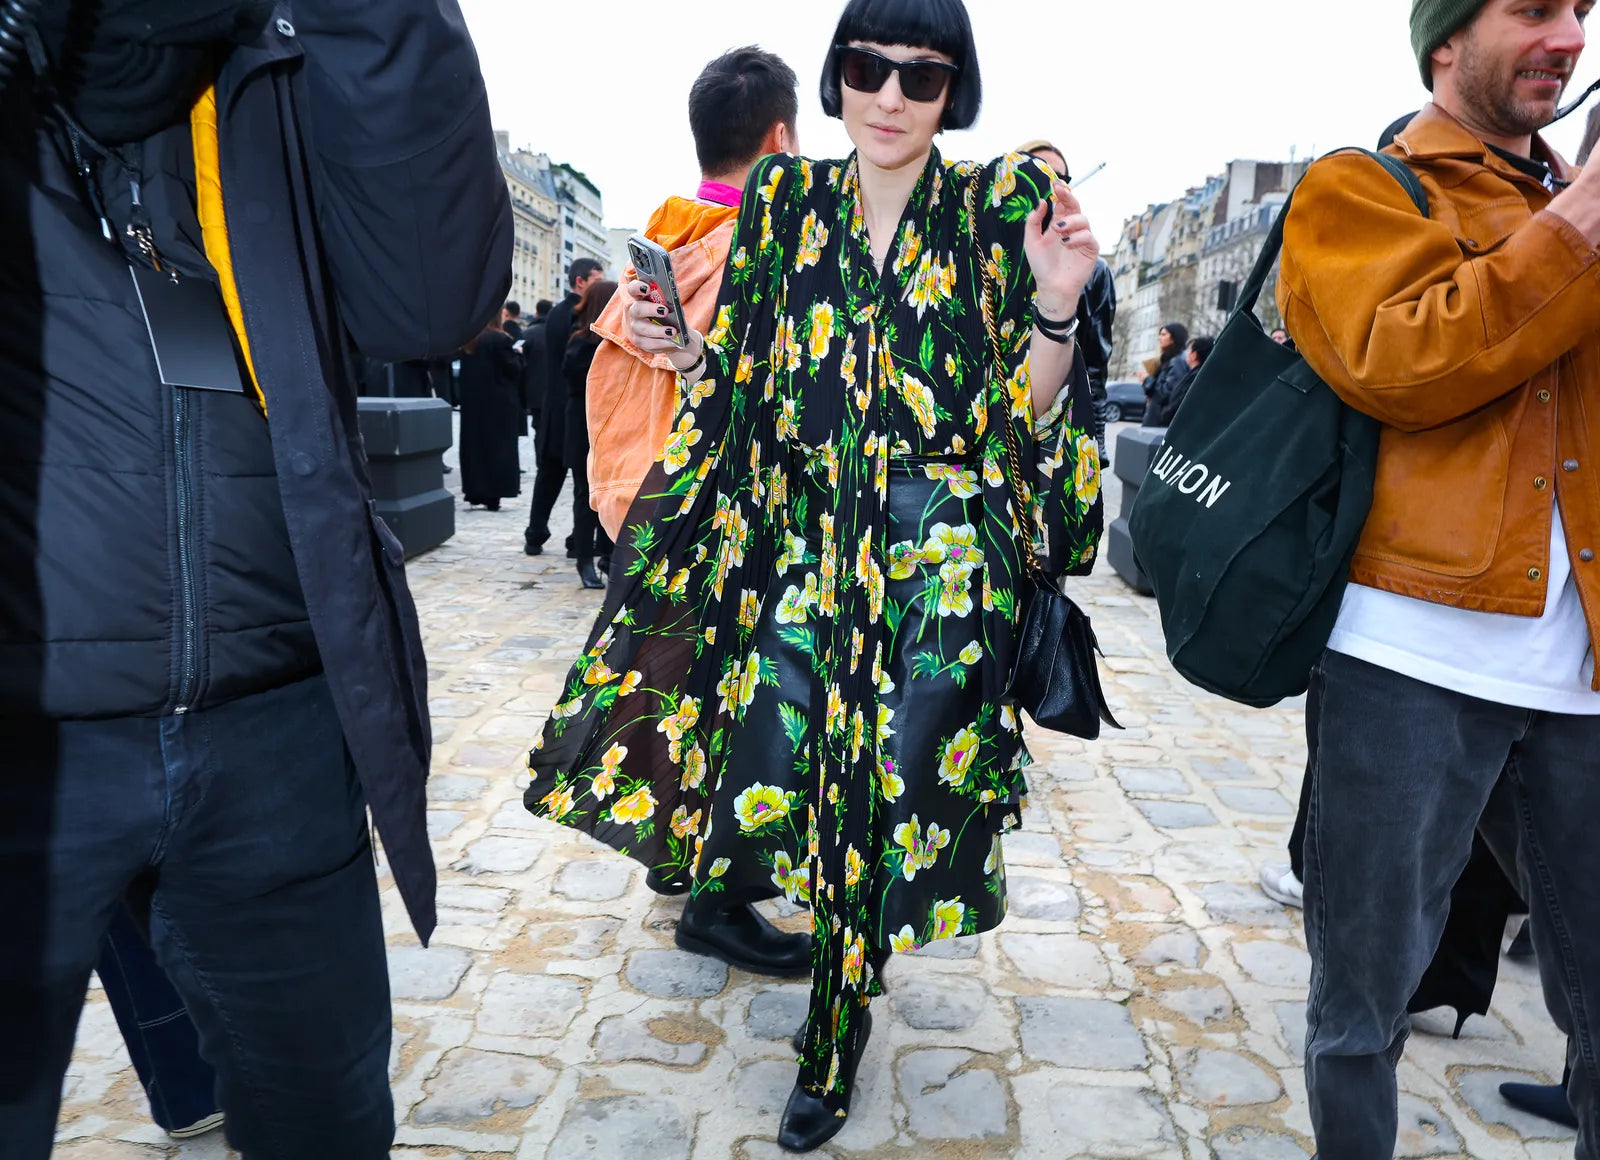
(1399, 170)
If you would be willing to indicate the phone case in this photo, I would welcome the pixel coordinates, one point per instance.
(654, 267)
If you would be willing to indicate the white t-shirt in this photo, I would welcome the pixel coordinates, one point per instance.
(1545, 663)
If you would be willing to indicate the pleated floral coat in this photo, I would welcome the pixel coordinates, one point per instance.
(798, 682)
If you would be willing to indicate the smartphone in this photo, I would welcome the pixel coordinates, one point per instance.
(654, 268)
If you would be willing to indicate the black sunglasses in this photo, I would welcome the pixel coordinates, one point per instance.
(865, 71)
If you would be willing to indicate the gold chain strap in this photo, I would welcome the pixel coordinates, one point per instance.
(1024, 510)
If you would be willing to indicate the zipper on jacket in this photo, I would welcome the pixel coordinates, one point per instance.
(188, 612)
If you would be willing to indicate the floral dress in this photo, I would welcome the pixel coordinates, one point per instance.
(798, 683)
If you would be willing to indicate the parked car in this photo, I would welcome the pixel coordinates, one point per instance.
(1124, 401)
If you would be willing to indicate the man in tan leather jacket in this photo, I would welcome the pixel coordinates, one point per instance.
(1465, 643)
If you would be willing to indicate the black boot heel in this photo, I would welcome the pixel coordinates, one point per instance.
(807, 1122)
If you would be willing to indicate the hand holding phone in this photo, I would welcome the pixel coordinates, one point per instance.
(653, 266)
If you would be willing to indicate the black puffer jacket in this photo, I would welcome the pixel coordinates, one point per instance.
(170, 547)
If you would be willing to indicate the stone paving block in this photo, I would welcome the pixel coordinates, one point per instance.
(1222, 768)
(418, 975)
(478, 755)
(1042, 898)
(529, 1005)
(1063, 960)
(1222, 1079)
(1232, 904)
(499, 856)
(594, 879)
(777, 1014)
(1292, 1022)
(474, 1085)
(762, 1087)
(949, 1103)
(676, 974)
(1177, 815)
(1274, 963)
(443, 823)
(1480, 1091)
(1203, 862)
(950, 948)
(1025, 848)
(1424, 1130)
(621, 1039)
(586, 939)
(941, 1003)
(1180, 946)
(1135, 779)
(1199, 1005)
(455, 787)
(1081, 1033)
(1109, 1122)
(93, 1149)
(1248, 1143)
(1249, 800)
(513, 815)
(468, 896)
(457, 707)
(623, 1128)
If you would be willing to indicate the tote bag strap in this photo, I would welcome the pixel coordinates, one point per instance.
(1398, 169)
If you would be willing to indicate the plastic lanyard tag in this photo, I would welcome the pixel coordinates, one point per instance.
(189, 332)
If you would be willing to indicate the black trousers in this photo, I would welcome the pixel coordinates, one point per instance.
(589, 539)
(550, 476)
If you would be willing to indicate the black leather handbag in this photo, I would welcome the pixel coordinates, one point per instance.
(1055, 677)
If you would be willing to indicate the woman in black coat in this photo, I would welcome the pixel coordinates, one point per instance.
(1159, 387)
(491, 418)
(587, 537)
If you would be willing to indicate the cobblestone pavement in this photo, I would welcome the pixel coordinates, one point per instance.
(1142, 1000)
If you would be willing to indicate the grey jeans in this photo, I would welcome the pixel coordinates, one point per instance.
(1401, 773)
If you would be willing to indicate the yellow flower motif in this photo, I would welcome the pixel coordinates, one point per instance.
(1005, 179)
(854, 866)
(813, 240)
(794, 552)
(992, 473)
(724, 326)
(601, 645)
(958, 758)
(630, 683)
(1019, 390)
(956, 545)
(882, 730)
(855, 958)
(741, 259)
(932, 284)
(749, 608)
(702, 391)
(680, 584)
(805, 175)
(694, 769)
(835, 709)
(680, 444)
(910, 249)
(821, 330)
(566, 709)
(614, 758)
(947, 918)
(719, 868)
(1008, 718)
(955, 590)
(684, 823)
(905, 942)
(558, 803)
(890, 783)
(795, 882)
(788, 420)
(972, 654)
(599, 674)
(847, 367)
(992, 862)
(962, 481)
(951, 367)
(921, 852)
(1086, 479)
(746, 368)
(858, 734)
(920, 399)
(774, 179)
(636, 808)
(760, 806)
(685, 719)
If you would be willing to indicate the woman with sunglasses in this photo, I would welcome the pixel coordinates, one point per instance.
(799, 682)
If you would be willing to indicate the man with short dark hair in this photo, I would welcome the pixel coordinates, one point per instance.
(511, 320)
(1465, 644)
(550, 436)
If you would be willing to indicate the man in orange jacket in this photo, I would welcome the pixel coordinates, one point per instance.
(742, 107)
(1465, 644)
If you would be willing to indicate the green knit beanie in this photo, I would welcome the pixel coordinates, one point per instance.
(1432, 23)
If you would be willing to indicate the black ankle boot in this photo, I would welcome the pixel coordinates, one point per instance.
(807, 1121)
(587, 575)
(741, 937)
(1547, 1101)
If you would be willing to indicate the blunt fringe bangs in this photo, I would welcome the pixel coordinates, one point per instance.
(942, 25)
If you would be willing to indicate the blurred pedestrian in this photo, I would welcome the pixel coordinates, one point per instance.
(1195, 354)
(491, 418)
(535, 364)
(550, 438)
(1172, 342)
(511, 320)
(798, 686)
(581, 345)
(213, 686)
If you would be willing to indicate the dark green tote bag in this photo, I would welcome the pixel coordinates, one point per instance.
(1250, 515)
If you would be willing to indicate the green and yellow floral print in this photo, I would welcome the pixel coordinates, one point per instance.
(798, 684)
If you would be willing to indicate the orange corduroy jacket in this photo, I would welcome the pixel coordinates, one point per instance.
(1474, 336)
(632, 395)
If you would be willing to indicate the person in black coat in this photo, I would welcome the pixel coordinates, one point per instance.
(1173, 340)
(491, 418)
(1194, 357)
(549, 442)
(575, 364)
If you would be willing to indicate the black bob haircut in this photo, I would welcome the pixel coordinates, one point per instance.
(735, 102)
(942, 25)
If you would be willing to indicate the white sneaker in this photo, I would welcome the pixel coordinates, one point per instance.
(199, 1128)
(1279, 884)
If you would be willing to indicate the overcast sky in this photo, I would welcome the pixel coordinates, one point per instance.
(1165, 92)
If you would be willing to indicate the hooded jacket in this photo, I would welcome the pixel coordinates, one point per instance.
(632, 396)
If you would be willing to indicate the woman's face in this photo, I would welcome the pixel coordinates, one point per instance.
(1164, 340)
(888, 130)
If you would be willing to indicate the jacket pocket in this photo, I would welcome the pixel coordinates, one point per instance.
(1439, 498)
